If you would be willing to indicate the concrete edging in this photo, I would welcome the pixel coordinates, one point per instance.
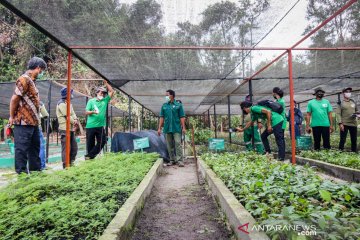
(345, 173)
(236, 214)
(121, 225)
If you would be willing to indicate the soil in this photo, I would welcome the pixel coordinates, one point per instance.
(180, 209)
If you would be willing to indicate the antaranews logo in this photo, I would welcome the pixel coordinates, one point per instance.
(244, 228)
(304, 230)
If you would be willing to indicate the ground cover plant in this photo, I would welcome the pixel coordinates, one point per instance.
(346, 159)
(74, 204)
(279, 194)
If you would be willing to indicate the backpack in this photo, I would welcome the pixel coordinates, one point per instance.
(273, 106)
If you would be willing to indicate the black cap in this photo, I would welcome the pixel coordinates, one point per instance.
(318, 89)
(347, 88)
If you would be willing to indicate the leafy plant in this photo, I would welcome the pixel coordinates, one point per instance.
(201, 136)
(74, 204)
(345, 159)
(282, 194)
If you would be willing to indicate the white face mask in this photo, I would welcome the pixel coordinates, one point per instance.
(100, 97)
(347, 94)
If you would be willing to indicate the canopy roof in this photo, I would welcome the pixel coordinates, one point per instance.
(94, 30)
(78, 102)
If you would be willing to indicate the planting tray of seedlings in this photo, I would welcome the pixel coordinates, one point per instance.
(289, 201)
(78, 203)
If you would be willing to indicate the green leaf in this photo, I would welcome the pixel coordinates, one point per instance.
(355, 191)
(292, 195)
(322, 222)
(325, 195)
(347, 197)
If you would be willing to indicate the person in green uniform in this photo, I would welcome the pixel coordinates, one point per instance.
(278, 95)
(251, 132)
(346, 117)
(319, 110)
(96, 120)
(61, 113)
(172, 118)
(274, 123)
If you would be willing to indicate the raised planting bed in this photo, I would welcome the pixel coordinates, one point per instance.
(78, 203)
(289, 202)
(343, 165)
(345, 159)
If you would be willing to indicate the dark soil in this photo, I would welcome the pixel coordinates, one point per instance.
(180, 209)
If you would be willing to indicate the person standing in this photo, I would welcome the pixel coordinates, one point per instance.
(319, 111)
(24, 114)
(346, 115)
(61, 113)
(96, 120)
(298, 121)
(43, 114)
(252, 132)
(274, 123)
(172, 117)
(278, 95)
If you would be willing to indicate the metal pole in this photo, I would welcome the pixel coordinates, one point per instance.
(86, 101)
(292, 108)
(142, 119)
(68, 103)
(106, 127)
(48, 123)
(123, 116)
(129, 114)
(111, 123)
(208, 113)
(252, 127)
(229, 116)
(215, 121)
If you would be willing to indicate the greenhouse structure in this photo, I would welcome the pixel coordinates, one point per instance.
(214, 54)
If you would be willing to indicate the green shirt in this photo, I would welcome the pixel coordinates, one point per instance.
(345, 111)
(257, 114)
(172, 112)
(247, 118)
(97, 120)
(281, 101)
(319, 110)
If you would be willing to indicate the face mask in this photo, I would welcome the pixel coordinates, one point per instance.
(274, 97)
(167, 99)
(40, 75)
(100, 97)
(347, 94)
(320, 95)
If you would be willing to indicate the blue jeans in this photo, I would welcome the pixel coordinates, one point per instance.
(42, 149)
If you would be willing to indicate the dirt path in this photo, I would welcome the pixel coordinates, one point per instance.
(180, 209)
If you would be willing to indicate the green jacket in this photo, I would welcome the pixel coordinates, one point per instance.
(61, 116)
(172, 112)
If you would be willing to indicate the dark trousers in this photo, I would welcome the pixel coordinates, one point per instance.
(27, 148)
(323, 132)
(279, 138)
(353, 137)
(93, 134)
(73, 147)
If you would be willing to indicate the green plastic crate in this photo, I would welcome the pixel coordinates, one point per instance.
(304, 143)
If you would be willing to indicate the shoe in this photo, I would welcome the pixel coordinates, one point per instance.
(170, 164)
(181, 164)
